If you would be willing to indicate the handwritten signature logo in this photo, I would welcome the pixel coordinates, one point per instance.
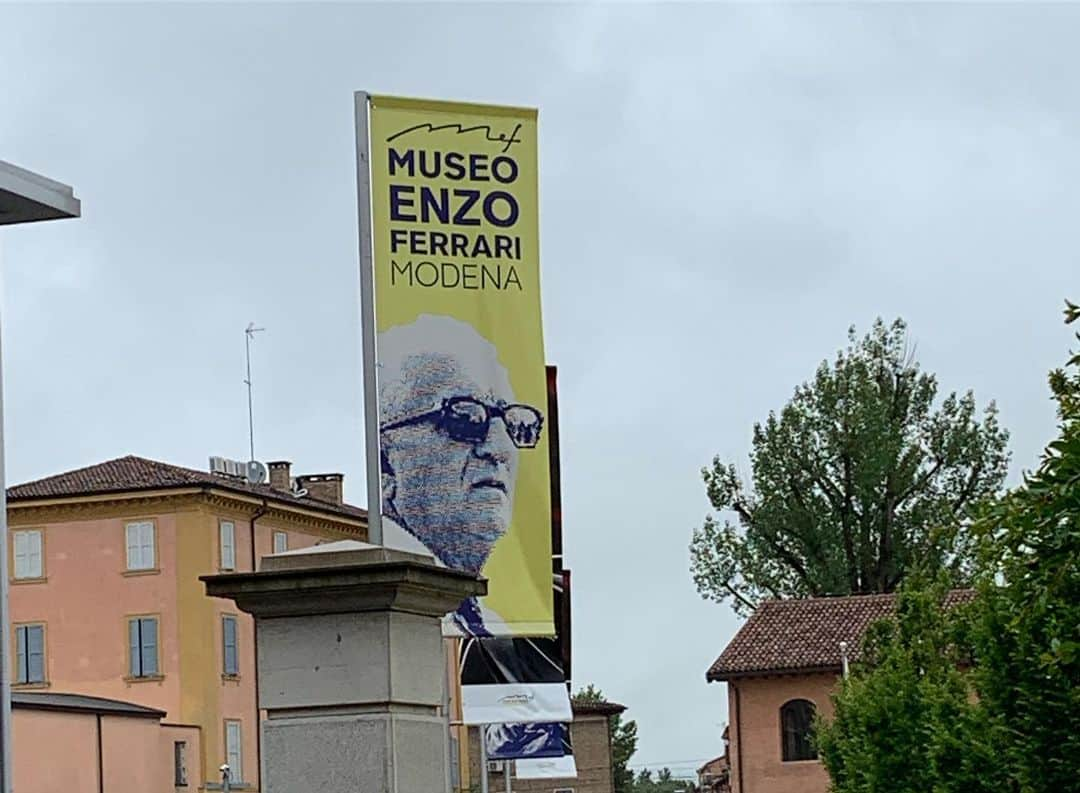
(516, 699)
(459, 129)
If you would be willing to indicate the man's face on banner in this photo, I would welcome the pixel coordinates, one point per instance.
(454, 469)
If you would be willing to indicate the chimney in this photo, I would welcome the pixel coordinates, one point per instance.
(280, 478)
(324, 487)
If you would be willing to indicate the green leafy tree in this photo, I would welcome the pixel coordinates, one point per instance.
(985, 698)
(906, 721)
(664, 782)
(1027, 637)
(623, 741)
(861, 478)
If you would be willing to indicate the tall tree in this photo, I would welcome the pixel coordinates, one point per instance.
(623, 740)
(861, 477)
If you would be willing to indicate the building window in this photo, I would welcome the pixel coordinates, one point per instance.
(143, 645)
(227, 530)
(234, 752)
(230, 658)
(281, 542)
(28, 554)
(796, 726)
(140, 545)
(180, 763)
(30, 654)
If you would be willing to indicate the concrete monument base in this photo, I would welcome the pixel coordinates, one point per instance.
(351, 667)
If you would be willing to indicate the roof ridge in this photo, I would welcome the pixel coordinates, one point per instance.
(830, 598)
(72, 471)
(133, 473)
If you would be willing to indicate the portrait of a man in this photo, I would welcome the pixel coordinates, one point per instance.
(451, 435)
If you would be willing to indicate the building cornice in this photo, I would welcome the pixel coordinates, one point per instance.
(105, 505)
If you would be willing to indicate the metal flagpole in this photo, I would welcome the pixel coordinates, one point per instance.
(367, 321)
(483, 759)
(506, 775)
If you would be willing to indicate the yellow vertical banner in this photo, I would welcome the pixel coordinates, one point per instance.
(459, 351)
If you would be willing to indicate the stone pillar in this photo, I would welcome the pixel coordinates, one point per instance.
(351, 668)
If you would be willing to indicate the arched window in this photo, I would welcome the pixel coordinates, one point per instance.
(796, 724)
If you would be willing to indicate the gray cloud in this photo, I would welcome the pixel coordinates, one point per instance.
(724, 190)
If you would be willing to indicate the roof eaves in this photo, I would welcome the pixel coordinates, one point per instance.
(75, 703)
(721, 676)
(100, 494)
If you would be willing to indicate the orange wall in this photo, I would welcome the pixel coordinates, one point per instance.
(135, 755)
(191, 735)
(754, 707)
(85, 598)
(84, 603)
(57, 751)
(54, 752)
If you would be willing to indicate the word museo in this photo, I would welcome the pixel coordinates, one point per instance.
(464, 206)
(456, 207)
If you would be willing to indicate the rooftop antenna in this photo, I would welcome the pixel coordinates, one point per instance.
(249, 334)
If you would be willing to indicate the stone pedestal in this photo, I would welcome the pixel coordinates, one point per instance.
(351, 667)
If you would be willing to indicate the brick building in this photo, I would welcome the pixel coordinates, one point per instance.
(715, 775)
(780, 670)
(591, 739)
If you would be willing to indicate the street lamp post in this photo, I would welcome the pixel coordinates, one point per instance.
(25, 197)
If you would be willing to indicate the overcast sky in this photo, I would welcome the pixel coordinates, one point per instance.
(724, 191)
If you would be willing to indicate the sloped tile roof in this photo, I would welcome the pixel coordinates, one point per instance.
(804, 635)
(596, 708)
(132, 474)
(82, 703)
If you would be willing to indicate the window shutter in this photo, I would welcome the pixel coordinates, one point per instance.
(233, 752)
(228, 625)
(33, 542)
(134, 648)
(147, 546)
(35, 654)
(131, 539)
(228, 545)
(21, 562)
(20, 655)
(149, 646)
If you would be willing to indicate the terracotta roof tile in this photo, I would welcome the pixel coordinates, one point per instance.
(596, 708)
(787, 636)
(132, 474)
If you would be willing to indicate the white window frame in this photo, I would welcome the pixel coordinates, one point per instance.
(284, 537)
(140, 539)
(234, 748)
(27, 553)
(227, 537)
